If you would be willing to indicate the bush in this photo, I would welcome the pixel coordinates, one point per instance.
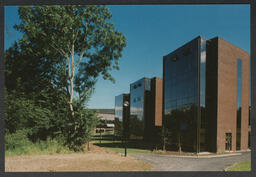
(42, 118)
(18, 144)
(22, 113)
(50, 146)
(79, 129)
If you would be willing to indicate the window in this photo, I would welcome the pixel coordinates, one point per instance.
(186, 52)
(175, 58)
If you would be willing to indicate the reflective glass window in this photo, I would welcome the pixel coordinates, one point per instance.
(181, 87)
(137, 107)
(239, 104)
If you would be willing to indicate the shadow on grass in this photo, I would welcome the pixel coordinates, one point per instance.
(110, 141)
(130, 145)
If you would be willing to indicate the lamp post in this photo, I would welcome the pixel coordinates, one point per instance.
(126, 115)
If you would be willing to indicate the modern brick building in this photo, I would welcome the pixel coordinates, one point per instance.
(139, 91)
(153, 106)
(145, 111)
(206, 96)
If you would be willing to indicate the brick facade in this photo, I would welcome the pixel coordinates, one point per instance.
(220, 94)
(227, 94)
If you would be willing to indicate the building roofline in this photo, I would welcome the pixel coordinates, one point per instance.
(217, 37)
(198, 37)
(156, 77)
(139, 79)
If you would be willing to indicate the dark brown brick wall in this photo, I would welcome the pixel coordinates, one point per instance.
(153, 109)
(227, 94)
(158, 101)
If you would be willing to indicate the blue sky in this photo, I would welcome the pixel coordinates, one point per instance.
(153, 31)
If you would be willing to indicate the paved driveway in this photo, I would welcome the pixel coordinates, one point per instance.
(172, 163)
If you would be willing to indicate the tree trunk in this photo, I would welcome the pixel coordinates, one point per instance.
(71, 97)
(179, 144)
(71, 81)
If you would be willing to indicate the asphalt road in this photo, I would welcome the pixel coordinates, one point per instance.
(171, 163)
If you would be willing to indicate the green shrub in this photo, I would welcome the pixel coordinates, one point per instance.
(23, 113)
(18, 144)
(78, 129)
(50, 146)
(42, 118)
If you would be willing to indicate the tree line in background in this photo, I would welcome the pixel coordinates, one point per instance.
(50, 73)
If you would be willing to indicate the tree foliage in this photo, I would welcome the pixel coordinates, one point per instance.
(63, 50)
(79, 39)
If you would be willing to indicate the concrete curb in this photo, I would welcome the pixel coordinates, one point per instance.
(199, 157)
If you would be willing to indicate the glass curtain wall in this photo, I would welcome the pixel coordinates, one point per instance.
(137, 99)
(202, 118)
(239, 104)
(119, 115)
(181, 97)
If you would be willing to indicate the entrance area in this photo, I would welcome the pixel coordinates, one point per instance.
(228, 142)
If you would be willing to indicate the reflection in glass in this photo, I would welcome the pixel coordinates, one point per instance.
(181, 97)
(239, 104)
(119, 114)
(184, 96)
(137, 93)
(202, 119)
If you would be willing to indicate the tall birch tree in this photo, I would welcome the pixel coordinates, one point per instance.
(79, 41)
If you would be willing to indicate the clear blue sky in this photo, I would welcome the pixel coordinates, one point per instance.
(153, 31)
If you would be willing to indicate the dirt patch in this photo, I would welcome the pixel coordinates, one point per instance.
(97, 159)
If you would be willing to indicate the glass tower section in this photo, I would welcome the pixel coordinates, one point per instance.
(239, 104)
(181, 96)
(119, 115)
(184, 97)
(138, 91)
(202, 111)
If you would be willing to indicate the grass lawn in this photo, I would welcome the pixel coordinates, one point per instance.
(47, 147)
(118, 147)
(241, 166)
(106, 140)
(129, 150)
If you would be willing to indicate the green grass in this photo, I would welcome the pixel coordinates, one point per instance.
(129, 150)
(241, 166)
(39, 148)
(116, 147)
(108, 142)
(18, 144)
